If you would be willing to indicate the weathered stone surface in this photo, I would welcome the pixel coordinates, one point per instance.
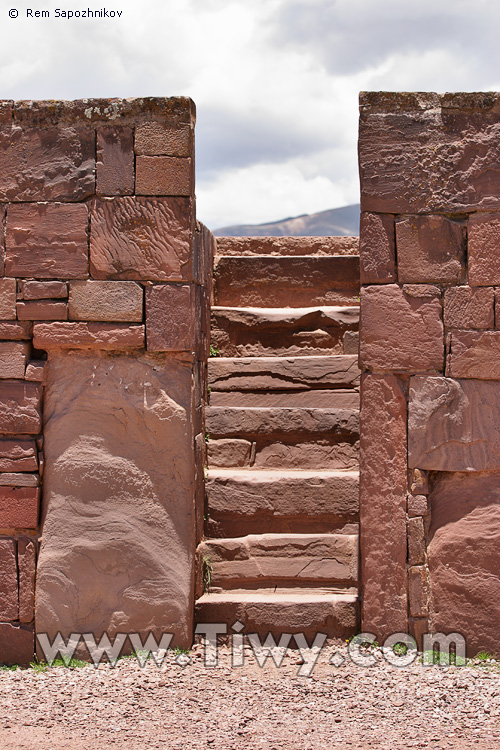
(42, 310)
(231, 452)
(141, 238)
(17, 644)
(115, 161)
(13, 356)
(468, 307)
(287, 246)
(47, 240)
(8, 299)
(483, 241)
(106, 300)
(19, 480)
(351, 342)
(405, 142)
(164, 175)
(421, 290)
(35, 371)
(105, 336)
(383, 488)
(418, 591)
(9, 608)
(46, 163)
(44, 290)
(417, 505)
(26, 559)
(15, 330)
(170, 318)
(320, 452)
(161, 139)
(235, 421)
(20, 408)
(316, 397)
(453, 425)
(19, 507)
(107, 421)
(416, 541)
(3, 210)
(399, 332)
(419, 482)
(430, 249)
(377, 249)
(463, 558)
(18, 455)
(474, 354)
(274, 559)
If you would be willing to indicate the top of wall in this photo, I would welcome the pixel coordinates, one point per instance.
(414, 101)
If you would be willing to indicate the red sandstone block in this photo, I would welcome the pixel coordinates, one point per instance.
(120, 301)
(170, 318)
(47, 240)
(17, 644)
(2, 239)
(399, 332)
(26, 560)
(484, 258)
(15, 331)
(416, 541)
(42, 310)
(18, 455)
(419, 482)
(104, 336)
(497, 308)
(377, 248)
(141, 238)
(430, 249)
(417, 505)
(9, 609)
(475, 354)
(467, 307)
(35, 371)
(164, 175)
(20, 408)
(19, 507)
(115, 161)
(44, 290)
(13, 356)
(418, 587)
(159, 139)
(7, 299)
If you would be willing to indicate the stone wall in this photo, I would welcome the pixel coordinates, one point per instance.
(104, 309)
(430, 351)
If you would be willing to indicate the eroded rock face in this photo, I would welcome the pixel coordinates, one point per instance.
(463, 558)
(118, 516)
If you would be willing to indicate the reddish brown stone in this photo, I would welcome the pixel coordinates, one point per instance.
(377, 248)
(7, 299)
(419, 482)
(161, 139)
(279, 246)
(47, 240)
(468, 307)
(46, 164)
(44, 290)
(26, 557)
(105, 336)
(3, 210)
(15, 331)
(399, 332)
(484, 259)
(416, 541)
(120, 301)
(474, 354)
(418, 590)
(35, 371)
(17, 644)
(18, 455)
(163, 175)
(417, 505)
(9, 609)
(115, 161)
(20, 408)
(383, 492)
(19, 480)
(42, 310)
(141, 238)
(430, 249)
(13, 359)
(19, 507)
(170, 319)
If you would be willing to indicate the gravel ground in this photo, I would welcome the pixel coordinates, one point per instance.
(195, 706)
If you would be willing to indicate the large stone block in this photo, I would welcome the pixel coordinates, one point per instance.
(42, 310)
(170, 318)
(9, 608)
(161, 139)
(399, 332)
(106, 300)
(141, 238)
(32, 290)
(418, 590)
(20, 408)
(164, 175)
(103, 336)
(416, 541)
(430, 249)
(377, 249)
(47, 240)
(383, 487)
(115, 161)
(3, 210)
(8, 299)
(454, 425)
(13, 356)
(19, 507)
(46, 163)
(18, 455)
(26, 559)
(469, 307)
(110, 506)
(483, 241)
(15, 330)
(17, 644)
(474, 354)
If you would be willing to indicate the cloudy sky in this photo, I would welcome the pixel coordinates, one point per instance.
(275, 82)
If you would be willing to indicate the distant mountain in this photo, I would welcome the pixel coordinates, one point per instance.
(337, 221)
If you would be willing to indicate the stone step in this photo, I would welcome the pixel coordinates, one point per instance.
(281, 560)
(302, 331)
(283, 373)
(298, 281)
(327, 399)
(287, 246)
(253, 501)
(298, 611)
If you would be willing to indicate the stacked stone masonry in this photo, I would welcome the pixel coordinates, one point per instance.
(103, 270)
(429, 349)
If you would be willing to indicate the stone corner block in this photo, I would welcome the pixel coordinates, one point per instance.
(430, 249)
(170, 318)
(377, 248)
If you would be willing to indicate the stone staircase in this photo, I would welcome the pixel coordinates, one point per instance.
(281, 521)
